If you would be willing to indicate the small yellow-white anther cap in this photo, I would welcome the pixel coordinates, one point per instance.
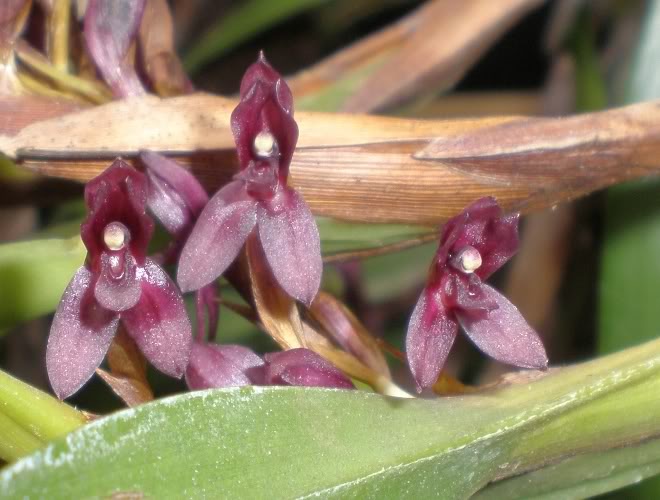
(114, 236)
(469, 259)
(264, 145)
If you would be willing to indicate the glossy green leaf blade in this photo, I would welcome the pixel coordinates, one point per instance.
(583, 476)
(238, 25)
(33, 275)
(293, 442)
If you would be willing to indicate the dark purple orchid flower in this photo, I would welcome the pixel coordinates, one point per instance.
(473, 245)
(110, 29)
(117, 282)
(177, 198)
(213, 365)
(266, 135)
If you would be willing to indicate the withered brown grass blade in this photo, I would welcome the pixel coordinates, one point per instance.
(367, 168)
(277, 311)
(128, 371)
(451, 35)
(347, 331)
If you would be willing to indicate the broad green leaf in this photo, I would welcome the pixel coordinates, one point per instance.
(285, 442)
(583, 476)
(630, 270)
(238, 25)
(33, 275)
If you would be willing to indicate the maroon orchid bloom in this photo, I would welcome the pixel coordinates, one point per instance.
(266, 136)
(118, 282)
(110, 28)
(213, 365)
(473, 245)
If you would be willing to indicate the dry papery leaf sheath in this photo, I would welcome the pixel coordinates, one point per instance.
(365, 168)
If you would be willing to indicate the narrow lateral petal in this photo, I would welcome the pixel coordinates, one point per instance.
(303, 367)
(213, 365)
(110, 28)
(80, 336)
(176, 197)
(291, 242)
(504, 334)
(159, 323)
(431, 333)
(216, 239)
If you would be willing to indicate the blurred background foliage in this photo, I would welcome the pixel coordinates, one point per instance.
(587, 274)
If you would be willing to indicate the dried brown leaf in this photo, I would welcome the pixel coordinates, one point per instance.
(346, 330)
(278, 312)
(449, 39)
(368, 168)
(128, 371)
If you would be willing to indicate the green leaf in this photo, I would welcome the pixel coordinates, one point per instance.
(583, 476)
(340, 237)
(33, 275)
(246, 20)
(289, 442)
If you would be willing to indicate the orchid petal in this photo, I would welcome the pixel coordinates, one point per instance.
(207, 305)
(302, 367)
(159, 323)
(504, 334)
(216, 239)
(291, 242)
(176, 197)
(213, 365)
(431, 333)
(117, 293)
(110, 28)
(80, 336)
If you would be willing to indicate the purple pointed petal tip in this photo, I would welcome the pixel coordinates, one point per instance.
(216, 239)
(504, 334)
(431, 333)
(110, 28)
(302, 367)
(213, 366)
(291, 242)
(159, 324)
(176, 197)
(80, 336)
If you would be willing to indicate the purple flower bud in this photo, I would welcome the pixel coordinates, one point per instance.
(303, 367)
(266, 135)
(110, 28)
(117, 282)
(213, 365)
(473, 245)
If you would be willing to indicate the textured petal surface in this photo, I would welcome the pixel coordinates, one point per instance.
(159, 323)
(80, 336)
(291, 242)
(504, 334)
(213, 365)
(110, 27)
(303, 367)
(431, 333)
(207, 310)
(176, 197)
(216, 239)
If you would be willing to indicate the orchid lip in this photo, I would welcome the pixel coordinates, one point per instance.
(467, 260)
(115, 236)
